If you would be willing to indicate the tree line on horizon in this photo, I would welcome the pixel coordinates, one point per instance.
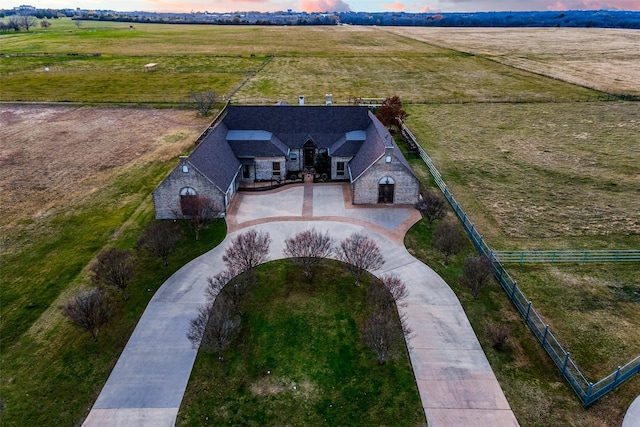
(573, 18)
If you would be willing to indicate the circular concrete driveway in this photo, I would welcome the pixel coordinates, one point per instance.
(456, 384)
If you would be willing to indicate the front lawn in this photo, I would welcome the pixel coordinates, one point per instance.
(299, 360)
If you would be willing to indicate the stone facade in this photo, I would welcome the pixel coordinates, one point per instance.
(166, 197)
(264, 170)
(406, 187)
(336, 173)
(295, 161)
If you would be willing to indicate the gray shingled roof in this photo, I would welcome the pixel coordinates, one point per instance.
(214, 158)
(294, 124)
(378, 138)
(252, 148)
(291, 127)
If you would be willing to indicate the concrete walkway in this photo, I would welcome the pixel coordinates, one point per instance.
(456, 384)
(632, 417)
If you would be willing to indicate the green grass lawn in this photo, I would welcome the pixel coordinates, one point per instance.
(591, 308)
(533, 386)
(305, 336)
(51, 371)
(348, 62)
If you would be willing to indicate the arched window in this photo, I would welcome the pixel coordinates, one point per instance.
(188, 191)
(386, 188)
(188, 201)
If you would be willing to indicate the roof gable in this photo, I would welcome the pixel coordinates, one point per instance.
(294, 125)
(215, 159)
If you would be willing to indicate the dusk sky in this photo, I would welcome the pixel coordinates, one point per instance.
(331, 5)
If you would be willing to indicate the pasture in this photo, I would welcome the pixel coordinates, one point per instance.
(601, 58)
(345, 61)
(534, 165)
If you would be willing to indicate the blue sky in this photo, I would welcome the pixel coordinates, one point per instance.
(331, 5)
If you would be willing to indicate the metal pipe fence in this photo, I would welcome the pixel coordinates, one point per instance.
(586, 391)
(568, 256)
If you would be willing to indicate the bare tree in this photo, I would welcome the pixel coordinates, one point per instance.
(390, 290)
(203, 101)
(232, 288)
(215, 326)
(217, 283)
(391, 113)
(89, 309)
(476, 274)
(199, 210)
(15, 23)
(308, 248)
(114, 267)
(160, 239)
(432, 206)
(447, 239)
(26, 21)
(382, 333)
(247, 251)
(396, 288)
(498, 334)
(360, 253)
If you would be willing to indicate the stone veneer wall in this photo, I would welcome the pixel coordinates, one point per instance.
(166, 198)
(406, 190)
(264, 167)
(334, 167)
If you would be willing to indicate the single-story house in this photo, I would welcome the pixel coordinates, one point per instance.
(254, 143)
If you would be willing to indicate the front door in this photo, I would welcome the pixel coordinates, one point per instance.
(385, 193)
(246, 171)
(309, 157)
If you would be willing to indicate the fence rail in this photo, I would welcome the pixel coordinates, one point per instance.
(580, 257)
(586, 391)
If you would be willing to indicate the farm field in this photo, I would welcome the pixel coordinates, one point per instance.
(557, 176)
(600, 58)
(346, 61)
(533, 165)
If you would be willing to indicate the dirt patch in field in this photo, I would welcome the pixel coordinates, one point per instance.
(54, 156)
(600, 58)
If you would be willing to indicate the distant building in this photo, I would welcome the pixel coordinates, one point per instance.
(24, 9)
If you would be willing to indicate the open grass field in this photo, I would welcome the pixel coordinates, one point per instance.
(540, 172)
(74, 180)
(345, 61)
(536, 392)
(601, 58)
(551, 176)
(561, 176)
(299, 359)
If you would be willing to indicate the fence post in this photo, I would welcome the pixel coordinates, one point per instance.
(513, 290)
(566, 360)
(521, 257)
(546, 331)
(615, 380)
(587, 398)
(526, 318)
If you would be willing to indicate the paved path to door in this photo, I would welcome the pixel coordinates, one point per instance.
(456, 384)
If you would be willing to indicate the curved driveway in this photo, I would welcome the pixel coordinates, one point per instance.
(456, 384)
